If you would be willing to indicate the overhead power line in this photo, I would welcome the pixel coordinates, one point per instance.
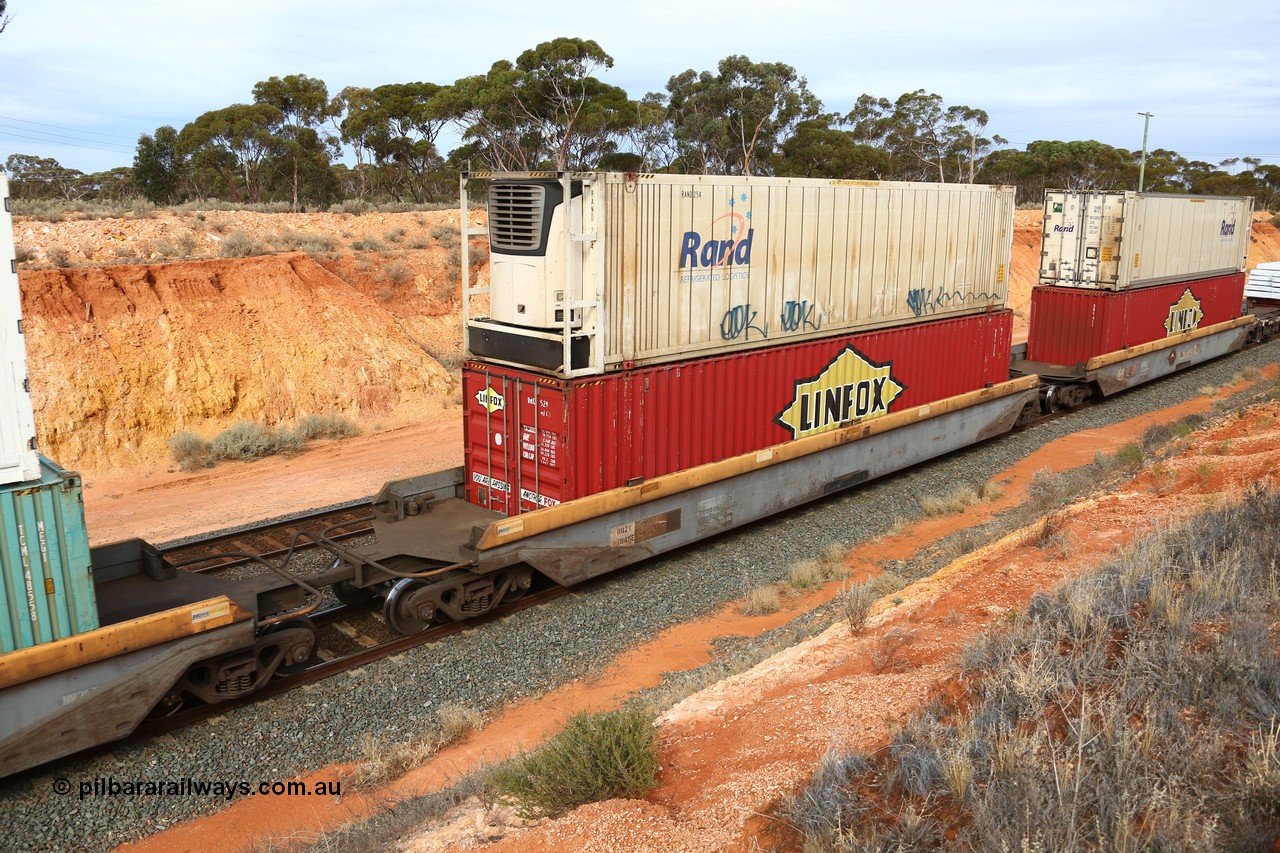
(55, 137)
(60, 127)
(47, 141)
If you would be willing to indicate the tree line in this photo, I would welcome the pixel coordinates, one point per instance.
(548, 110)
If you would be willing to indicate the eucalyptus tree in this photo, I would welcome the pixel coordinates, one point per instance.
(1078, 165)
(735, 120)
(926, 139)
(233, 142)
(32, 177)
(650, 134)
(304, 106)
(545, 110)
(159, 166)
(818, 150)
(354, 112)
(401, 125)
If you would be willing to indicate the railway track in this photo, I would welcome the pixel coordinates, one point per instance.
(348, 637)
(268, 540)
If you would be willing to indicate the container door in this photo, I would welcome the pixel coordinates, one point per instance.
(537, 447)
(1103, 240)
(1082, 233)
(514, 426)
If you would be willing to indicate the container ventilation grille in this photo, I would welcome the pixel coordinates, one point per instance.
(515, 217)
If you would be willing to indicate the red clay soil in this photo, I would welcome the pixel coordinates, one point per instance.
(730, 752)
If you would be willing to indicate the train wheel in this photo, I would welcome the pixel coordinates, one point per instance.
(352, 595)
(298, 651)
(1074, 396)
(1029, 413)
(520, 584)
(403, 613)
(169, 704)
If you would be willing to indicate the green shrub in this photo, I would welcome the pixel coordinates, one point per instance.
(190, 451)
(289, 240)
(446, 235)
(240, 245)
(351, 205)
(1275, 220)
(247, 440)
(1130, 455)
(330, 425)
(58, 256)
(597, 757)
(396, 272)
(856, 602)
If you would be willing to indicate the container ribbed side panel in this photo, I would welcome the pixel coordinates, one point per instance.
(532, 440)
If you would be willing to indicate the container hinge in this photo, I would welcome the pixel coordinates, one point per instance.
(586, 237)
(26, 384)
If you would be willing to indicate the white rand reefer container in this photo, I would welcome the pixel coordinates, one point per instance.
(1126, 240)
(19, 461)
(593, 271)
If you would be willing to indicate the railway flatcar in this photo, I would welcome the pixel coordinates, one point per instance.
(655, 360)
(1134, 286)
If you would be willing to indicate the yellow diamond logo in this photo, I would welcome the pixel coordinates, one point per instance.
(491, 399)
(1184, 315)
(850, 388)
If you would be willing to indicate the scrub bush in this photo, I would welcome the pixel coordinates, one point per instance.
(596, 757)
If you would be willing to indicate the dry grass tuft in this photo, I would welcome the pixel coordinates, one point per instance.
(761, 601)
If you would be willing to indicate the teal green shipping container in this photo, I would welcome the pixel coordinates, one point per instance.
(46, 588)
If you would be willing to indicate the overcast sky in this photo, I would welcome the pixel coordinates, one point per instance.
(82, 79)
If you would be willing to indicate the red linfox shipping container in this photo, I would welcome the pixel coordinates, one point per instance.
(1071, 325)
(533, 440)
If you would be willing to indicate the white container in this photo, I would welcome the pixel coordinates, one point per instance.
(18, 459)
(1124, 240)
(1264, 282)
(643, 269)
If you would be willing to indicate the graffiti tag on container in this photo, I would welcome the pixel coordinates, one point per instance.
(739, 322)
(797, 316)
(924, 301)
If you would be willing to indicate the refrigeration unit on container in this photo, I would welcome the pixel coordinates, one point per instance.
(46, 592)
(18, 458)
(533, 440)
(1125, 240)
(1071, 325)
(594, 272)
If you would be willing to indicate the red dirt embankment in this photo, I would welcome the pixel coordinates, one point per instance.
(124, 356)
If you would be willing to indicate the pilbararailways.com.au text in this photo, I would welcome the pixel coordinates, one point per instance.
(227, 789)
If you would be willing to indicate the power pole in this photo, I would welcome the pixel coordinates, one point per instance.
(1142, 168)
